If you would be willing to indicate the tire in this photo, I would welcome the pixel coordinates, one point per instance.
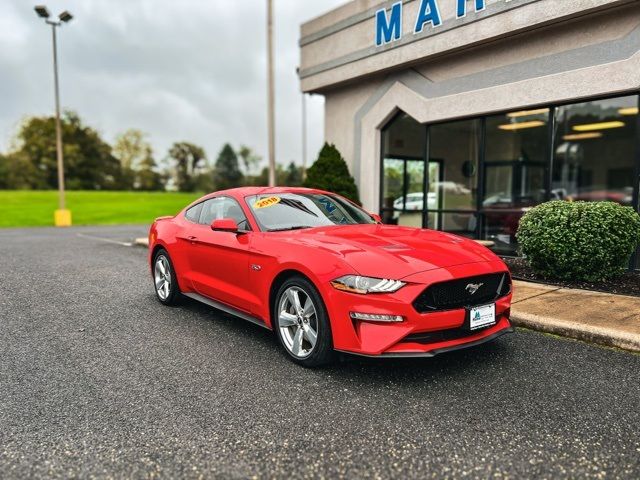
(165, 283)
(297, 327)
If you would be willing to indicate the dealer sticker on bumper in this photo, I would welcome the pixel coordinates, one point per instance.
(480, 317)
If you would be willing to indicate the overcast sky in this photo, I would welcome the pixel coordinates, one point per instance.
(187, 70)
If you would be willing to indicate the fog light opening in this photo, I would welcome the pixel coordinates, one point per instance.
(374, 317)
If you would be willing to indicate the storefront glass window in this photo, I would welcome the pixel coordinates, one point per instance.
(454, 148)
(463, 224)
(590, 154)
(595, 150)
(515, 170)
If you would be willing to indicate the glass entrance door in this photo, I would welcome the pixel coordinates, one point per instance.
(403, 191)
(403, 172)
(411, 215)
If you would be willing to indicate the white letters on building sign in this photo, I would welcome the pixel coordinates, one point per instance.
(389, 20)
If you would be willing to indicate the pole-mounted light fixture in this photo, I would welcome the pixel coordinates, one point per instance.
(271, 108)
(42, 11)
(62, 216)
(65, 16)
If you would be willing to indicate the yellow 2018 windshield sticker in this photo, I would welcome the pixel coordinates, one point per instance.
(266, 202)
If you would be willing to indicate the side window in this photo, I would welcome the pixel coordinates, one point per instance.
(211, 210)
(223, 207)
(193, 214)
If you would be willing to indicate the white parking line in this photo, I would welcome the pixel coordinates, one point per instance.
(108, 240)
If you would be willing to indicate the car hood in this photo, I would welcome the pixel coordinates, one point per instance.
(391, 251)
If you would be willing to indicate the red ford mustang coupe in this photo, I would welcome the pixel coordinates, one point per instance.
(327, 276)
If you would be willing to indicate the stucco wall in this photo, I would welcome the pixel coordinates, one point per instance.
(591, 55)
(340, 46)
(341, 106)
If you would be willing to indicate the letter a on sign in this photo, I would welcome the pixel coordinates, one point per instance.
(428, 13)
(389, 28)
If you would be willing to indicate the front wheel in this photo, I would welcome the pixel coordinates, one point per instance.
(302, 324)
(164, 279)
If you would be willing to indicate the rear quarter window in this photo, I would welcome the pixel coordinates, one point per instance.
(193, 214)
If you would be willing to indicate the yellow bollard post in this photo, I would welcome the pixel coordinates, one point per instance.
(62, 218)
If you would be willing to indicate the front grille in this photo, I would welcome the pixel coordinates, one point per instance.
(463, 292)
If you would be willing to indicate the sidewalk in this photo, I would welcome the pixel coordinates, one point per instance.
(141, 242)
(602, 318)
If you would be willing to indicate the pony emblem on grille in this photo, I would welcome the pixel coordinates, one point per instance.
(472, 288)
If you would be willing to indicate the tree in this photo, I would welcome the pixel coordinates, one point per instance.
(262, 180)
(187, 158)
(250, 160)
(131, 149)
(4, 172)
(330, 172)
(139, 168)
(18, 173)
(89, 163)
(294, 175)
(147, 178)
(226, 173)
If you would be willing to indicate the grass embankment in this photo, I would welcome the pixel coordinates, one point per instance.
(35, 208)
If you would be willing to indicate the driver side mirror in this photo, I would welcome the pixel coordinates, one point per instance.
(376, 217)
(224, 225)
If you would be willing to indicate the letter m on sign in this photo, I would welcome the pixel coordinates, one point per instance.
(389, 26)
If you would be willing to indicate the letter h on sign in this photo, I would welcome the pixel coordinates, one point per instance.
(462, 7)
(389, 27)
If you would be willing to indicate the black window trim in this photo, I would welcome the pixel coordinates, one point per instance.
(191, 208)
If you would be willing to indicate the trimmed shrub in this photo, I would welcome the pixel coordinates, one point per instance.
(586, 241)
(330, 172)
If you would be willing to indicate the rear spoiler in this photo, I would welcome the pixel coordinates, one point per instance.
(163, 218)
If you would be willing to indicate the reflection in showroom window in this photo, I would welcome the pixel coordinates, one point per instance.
(515, 172)
(594, 157)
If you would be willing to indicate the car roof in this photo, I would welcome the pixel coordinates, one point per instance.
(249, 191)
(240, 193)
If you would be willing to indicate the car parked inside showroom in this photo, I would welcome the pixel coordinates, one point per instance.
(326, 276)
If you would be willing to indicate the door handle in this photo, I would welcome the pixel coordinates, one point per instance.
(192, 239)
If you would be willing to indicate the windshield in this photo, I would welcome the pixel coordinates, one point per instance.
(289, 211)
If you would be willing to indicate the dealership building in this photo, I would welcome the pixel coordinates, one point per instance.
(460, 115)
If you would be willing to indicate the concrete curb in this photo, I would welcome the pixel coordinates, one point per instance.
(602, 336)
(141, 242)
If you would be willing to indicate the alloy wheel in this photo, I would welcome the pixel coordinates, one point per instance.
(298, 322)
(162, 277)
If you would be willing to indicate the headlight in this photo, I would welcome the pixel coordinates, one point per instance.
(358, 284)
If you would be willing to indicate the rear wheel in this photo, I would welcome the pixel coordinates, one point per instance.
(164, 279)
(302, 324)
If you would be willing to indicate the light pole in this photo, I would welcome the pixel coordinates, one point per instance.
(271, 96)
(62, 216)
(304, 135)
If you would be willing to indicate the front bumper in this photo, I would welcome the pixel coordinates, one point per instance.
(425, 334)
(438, 350)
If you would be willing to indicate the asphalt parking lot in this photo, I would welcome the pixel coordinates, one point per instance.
(98, 379)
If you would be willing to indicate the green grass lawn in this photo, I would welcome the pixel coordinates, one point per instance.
(20, 208)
